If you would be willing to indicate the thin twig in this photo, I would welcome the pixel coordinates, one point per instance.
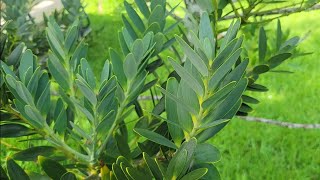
(286, 11)
(280, 123)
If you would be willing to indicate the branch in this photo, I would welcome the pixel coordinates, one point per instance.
(282, 11)
(279, 123)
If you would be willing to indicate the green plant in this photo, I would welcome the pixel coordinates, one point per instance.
(96, 112)
(94, 128)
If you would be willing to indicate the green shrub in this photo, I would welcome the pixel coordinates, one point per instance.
(94, 127)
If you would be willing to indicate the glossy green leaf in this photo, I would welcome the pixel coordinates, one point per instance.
(130, 66)
(237, 73)
(225, 53)
(193, 57)
(15, 172)
(117, 66)
(58, 72)
(106, 72)
(154, 27)
(171, 109)
(128, 30)
(118, 172)
(262, 44)
(36, 118)
(153, 167)
(178, 101)
(279, 35)
(212, 172)
(135, 18)
(68, 176)
(278, 59)
(224, 69)
(55, 45)
(86, 90)
(177, 164)
(206, 153)
(31, 154)
(257, 87)
(14, 130)
(3, 174)
(185, 75)
(123, 146)
(26, 62)
(157, 16)
(15, 55)
(71, 38)
(136, 174)
(195, 174)
(249, 99)
(231, 33)
(260, 69)
(212, 101)
(155, 137)
(52, 168)
(143, 7)
(205, 28)
(212, 124)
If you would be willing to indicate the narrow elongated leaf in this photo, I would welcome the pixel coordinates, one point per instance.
(68, 176)
(177, 164)
(36, 118)
(133, 173)
(25, 63)
(212, 124)
(15, 171)
(153, 167)
(3, 174)
(185, 75)
(117, 66)
(86, 90)
(72, 36)
(212, 173)
(55, 45)
(193, 57)
(205, 28)
(195, 174)
(135, 18)
(14, 130)
(52, 168)
(206, 153)
(128, 29)
(116, 169)
(262, 44)
(178, 101)
(279, 35)
(155, 137)
(211, 101)
(171, 109)
(231, 33)
(249, 99)
(130, 67)
(278, 59)
(237, 73)
(224, 69)
(260, 69)
(15, 55)
(143, 7)
(31, 154)
(59, 73)
(157, 16)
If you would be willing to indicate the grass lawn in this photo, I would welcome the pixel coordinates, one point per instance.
(254, 150)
